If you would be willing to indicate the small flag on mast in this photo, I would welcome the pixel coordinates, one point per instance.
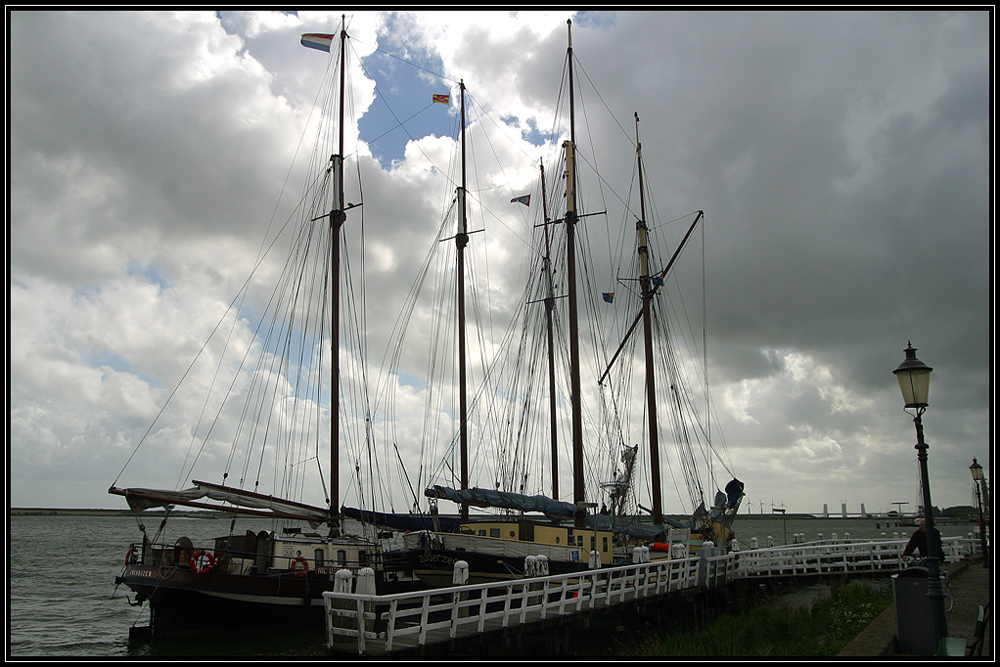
(523, 199)
(317, 40)
(442, 99)
(609, 297)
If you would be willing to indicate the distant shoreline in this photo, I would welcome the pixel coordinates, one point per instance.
(73, 511)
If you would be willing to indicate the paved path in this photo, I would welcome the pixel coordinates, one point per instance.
(972, 585)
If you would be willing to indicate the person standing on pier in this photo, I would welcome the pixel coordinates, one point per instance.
(918, 541)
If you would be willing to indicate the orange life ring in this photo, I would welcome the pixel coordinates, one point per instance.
(194, 562)
(294, 566)
(130, 555)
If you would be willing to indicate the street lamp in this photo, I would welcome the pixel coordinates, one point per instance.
(784, 527)
(977, 477)
(914, 382)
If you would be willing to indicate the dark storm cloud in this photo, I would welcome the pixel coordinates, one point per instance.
(842, 160)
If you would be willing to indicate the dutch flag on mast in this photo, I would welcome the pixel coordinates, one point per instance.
(317, 40)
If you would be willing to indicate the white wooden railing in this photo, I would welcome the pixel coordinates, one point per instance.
(833, 556)
(385, 623)
(369, 624)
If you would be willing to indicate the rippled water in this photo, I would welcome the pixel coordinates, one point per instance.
(63, 600)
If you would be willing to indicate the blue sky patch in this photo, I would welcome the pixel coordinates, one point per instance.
(406, 82)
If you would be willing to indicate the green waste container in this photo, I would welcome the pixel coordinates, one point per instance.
(914, 618)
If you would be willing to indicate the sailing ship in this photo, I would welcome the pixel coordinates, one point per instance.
(564, 536)
(287, 408)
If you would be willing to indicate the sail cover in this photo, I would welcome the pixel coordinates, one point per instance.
(410, 522)
(555, 510)
(632, 527)
(140, 499)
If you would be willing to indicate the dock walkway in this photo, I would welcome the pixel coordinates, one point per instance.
(368, 624)
(972, 586)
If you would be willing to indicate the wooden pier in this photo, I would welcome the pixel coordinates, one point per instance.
(362, 623)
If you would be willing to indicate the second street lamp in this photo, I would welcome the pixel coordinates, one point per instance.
(977, 477)
(914, 383)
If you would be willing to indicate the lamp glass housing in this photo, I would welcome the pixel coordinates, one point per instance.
(914, 379)
(915, 386)
(976, 470)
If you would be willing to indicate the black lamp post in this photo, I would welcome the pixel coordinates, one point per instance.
(784, 527)
(914, 382)
(977, 476)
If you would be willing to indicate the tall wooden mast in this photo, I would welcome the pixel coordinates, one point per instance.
(550, 304)
(646, 288)
(462, 240)
(574, 337)
(337, 218)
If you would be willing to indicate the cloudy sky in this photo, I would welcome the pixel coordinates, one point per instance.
(841, 159)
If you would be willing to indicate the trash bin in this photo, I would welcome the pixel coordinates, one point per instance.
(914, 618)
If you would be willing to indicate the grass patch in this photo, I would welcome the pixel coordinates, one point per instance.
(773, 628)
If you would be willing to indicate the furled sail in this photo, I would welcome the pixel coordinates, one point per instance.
(553, 509)
(632, 527)
(397, 521)
(140, 499)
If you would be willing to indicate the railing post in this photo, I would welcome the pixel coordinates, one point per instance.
(365, 585)
(342, 582)
(366, 581)
(530, 566)
(460, 577)
(460, 573)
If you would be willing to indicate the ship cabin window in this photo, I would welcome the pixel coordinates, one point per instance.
(604, 544)
(557, 539)
(318, 556)
(482, 532)
(593, 543)
(579, 540)
(512, 533)
(494, 532)
(341, 556)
